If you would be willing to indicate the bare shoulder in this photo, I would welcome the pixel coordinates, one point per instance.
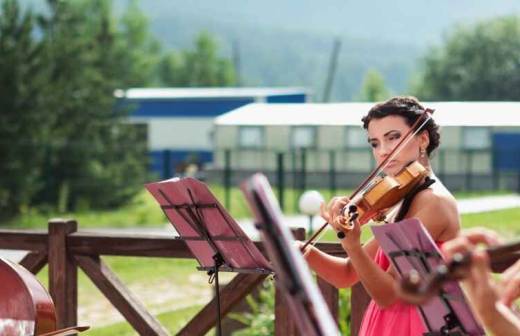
(437, 209)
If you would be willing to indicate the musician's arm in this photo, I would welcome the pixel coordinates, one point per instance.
(337, 271)
(378, 283)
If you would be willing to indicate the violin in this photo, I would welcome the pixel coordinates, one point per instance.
(379, 192)
(26, 308)
(417, 290)
(382, 193)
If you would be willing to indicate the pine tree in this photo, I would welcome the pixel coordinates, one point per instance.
(23, 121)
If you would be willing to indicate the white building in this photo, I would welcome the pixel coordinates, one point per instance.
(478, 139)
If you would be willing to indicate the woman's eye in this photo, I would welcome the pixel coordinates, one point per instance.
(373, 145)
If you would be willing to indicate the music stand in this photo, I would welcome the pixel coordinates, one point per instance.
(409, 246)
(293, 277)
(211, 234)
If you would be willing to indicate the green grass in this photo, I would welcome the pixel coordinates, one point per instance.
(143, 210)
(173, 321)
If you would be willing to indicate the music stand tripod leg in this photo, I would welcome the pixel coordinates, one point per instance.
(219, 261)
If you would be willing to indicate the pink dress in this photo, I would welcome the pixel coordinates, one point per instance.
(399, 319)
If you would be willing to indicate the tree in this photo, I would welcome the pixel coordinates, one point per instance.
(373, 88)
(138, 51)
(23, 122)
(92, 155)
(199, 67)
(480, 62)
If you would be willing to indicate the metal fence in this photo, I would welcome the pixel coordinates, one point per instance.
(458, 169)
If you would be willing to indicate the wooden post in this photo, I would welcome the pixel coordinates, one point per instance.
(283, 322)
(331, 297)
(63, 273)
(359, 301)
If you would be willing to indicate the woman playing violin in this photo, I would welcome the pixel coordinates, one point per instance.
(386, 123)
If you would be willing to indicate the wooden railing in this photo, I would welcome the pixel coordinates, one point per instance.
(64, 250)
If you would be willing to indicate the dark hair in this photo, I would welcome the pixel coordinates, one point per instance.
(410, 109)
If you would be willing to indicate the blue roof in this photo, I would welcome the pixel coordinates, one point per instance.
(207, 93)
(201, 102)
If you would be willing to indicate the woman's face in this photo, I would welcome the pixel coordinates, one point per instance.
(385, 133)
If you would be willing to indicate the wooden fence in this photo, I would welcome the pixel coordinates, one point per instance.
(65, 249)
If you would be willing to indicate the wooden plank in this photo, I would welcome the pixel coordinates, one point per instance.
(359, 301)
(241, 285)
(63, 273)
(283, 322)
(128, 245)
(334, 249)
(31, 240)
(131, 245)
(120, 297)
(34, 261)
(331, 297)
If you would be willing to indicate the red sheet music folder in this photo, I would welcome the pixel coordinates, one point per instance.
(206, 227)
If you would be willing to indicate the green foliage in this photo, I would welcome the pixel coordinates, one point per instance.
(260, 320)
(138, 52)
(345, 313)
(92, 156)
(23, 79)
(199, 67)
(373, 88)
(64, 139)
(480, 62)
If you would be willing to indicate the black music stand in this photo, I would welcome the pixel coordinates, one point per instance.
(293, 277)
(212, 235)
(409, 246)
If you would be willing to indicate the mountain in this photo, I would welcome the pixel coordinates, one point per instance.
(290, 42)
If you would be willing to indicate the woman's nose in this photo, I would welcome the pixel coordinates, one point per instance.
(384, 150)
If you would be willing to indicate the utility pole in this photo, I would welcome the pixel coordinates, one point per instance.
(332, 69)
(236, 61)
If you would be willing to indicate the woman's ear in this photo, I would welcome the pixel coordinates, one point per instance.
(424, 139)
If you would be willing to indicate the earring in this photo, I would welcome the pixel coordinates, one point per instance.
(422, 152)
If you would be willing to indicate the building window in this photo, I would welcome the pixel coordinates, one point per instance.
(356, 137)
(476, 138)
(251, 137)
(303, 137)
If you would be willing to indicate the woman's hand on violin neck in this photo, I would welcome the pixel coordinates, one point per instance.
(468, 240)
(331, 211)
